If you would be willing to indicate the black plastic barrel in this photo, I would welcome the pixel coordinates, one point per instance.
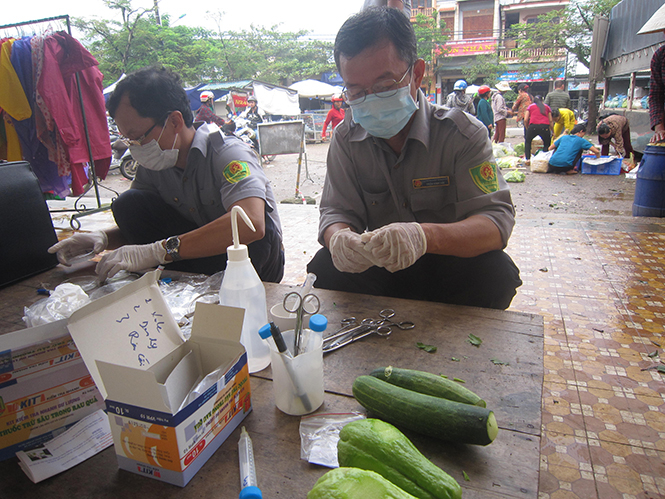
(650, 184)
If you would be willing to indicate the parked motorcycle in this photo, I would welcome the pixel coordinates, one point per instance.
(122, 157)
(242, 129)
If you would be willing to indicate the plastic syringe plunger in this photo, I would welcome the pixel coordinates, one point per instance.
(248, 485)
(242, 288)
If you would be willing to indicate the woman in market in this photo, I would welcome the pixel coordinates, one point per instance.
(523, 101)
(484, 109)
(538, 122)
(564, 121)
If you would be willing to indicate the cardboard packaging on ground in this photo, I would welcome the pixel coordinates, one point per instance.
(144, 368)
(44, 387)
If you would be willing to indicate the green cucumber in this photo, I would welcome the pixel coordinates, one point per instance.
(354, 483)
(425, 414)
(429, 384)
(372, 444)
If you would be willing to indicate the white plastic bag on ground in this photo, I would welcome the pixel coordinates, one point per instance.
(540, 162)
(63, 302)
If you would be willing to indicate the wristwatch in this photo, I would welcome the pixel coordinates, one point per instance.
(173, 248)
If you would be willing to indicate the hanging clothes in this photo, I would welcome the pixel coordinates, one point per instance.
(13, 102)
(33, 150)
(63, 58)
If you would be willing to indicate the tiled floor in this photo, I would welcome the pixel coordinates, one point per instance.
(601, 290)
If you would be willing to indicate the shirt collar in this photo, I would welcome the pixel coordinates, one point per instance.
(204, 131)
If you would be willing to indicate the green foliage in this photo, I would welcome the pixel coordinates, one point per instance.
(431, 37)
(570, 28)
(487, 65)
(132, 39)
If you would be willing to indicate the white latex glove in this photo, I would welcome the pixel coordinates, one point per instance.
(79, 244)
(133, 258)
(396, 246)
(347, 251)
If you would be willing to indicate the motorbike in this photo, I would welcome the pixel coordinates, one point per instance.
(241, 128)
(122, 157)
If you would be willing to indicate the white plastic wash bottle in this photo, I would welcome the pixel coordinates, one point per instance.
(242, 288)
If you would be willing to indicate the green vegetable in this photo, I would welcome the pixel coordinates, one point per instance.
(429, 384)
(432, 416)
(427, 348)
(372, 444)
(474, 340)
(519, 149)
(354, 483)
(466, 477)
(514, 176)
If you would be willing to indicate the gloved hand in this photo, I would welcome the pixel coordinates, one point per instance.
(348, 254)
(395, 246)
(133, 258)
(79, 244)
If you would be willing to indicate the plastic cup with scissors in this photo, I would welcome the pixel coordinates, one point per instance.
(307, 304)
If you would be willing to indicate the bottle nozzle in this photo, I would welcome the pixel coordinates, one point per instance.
(234, 224)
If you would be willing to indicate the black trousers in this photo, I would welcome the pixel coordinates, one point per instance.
(542, 131)
(143, 217)
(489, 280)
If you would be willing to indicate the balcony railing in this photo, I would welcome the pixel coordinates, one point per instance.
(427, 11)
(506, 48)
(550, 53)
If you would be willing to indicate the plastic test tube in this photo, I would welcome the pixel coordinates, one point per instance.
(248, 483)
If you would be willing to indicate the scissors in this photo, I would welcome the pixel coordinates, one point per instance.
(295, 303)
(346, 336)
(387, 314)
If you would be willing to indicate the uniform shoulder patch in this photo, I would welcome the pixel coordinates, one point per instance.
(485, 177)
(235, 171)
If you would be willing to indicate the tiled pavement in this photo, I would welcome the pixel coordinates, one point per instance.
(600, 287)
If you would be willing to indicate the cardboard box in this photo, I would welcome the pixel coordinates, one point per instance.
(44, 387)
(144, 368)
(611, 168)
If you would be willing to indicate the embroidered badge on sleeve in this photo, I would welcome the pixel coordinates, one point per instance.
(235, 171)
(485, 177)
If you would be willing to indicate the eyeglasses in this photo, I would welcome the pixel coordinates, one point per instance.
(382, 89)
(139, 141)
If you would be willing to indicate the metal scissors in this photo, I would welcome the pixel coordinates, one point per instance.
(294, 302)
(365, 328)
(387, 314)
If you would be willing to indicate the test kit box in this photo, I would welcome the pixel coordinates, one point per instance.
(145, 368)
(44, 387)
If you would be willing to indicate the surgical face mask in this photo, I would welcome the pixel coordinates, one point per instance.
(384, 117)
(152, 157)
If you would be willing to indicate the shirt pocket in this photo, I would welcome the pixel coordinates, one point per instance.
(430, 204)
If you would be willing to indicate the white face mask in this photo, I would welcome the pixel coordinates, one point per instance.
(152, 157)
(385, 117)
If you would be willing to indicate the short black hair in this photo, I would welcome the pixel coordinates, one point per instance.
(371, 27)
(154, 92)
(603, 129)
(555, 112)
(580, 127)
(559, 84)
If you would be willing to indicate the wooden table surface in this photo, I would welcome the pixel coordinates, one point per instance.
(511, 385)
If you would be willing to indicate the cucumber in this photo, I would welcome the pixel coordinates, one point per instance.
(354, 483)
(429, 384)
(425, 414)
(372, 444)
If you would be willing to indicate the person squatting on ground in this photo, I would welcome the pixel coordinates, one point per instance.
(206, 112)
(500, 111)
(484, 108)
(615, 130)
(564, 121)
(568, 150)
(558, 97)
(458, 98)
(334, 116)
(413, 205)
(178, 209)
(538, 123)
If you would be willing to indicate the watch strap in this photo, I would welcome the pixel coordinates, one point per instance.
(173, 248)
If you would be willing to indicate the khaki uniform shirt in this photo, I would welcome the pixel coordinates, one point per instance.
(445, 173)
(220, 172)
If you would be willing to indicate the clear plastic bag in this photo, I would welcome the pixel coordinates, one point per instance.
(64, 300)
(319, 434)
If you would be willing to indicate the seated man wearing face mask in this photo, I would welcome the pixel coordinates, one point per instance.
(178, 209)
(413, 204)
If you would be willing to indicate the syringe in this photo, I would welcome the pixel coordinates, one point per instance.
(248, 483)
